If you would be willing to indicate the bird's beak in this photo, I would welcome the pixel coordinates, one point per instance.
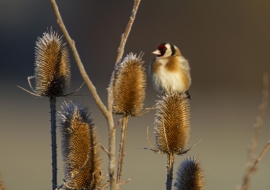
(157, 52)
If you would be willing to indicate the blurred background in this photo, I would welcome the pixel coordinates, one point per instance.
(227, 43)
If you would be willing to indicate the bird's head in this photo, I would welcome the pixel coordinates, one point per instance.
(166, 50)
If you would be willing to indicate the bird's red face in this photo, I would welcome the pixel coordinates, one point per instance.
(162, 49)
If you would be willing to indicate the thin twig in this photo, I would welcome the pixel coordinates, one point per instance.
(125, 182)
(122, 148)
(259, 120)
(118, 123)
(32, 93)
(106, 113)
(112, 130)
(127, 31)
(78, 59)
(150, 144)
(75, 90)
(257, 127)
(187, 150)
(104, 149)
(29, 82)
(146, 110)
(253, 168)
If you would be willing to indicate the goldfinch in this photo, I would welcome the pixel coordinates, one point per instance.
(169, 70)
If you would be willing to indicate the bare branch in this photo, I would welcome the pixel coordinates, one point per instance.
(118, 123)
(257, 127)
(78, 59)
(122, 148)
(106, 112)
(104, 149)
(125, 182)
(32, 93)
(112, 129)
(127, 31)
(253, 168)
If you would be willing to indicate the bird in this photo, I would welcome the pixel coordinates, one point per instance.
(169, 70)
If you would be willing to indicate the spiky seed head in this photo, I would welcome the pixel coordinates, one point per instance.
(130, 85)
(172, 126)
(52, 68)
(80, 147)
(189, 176)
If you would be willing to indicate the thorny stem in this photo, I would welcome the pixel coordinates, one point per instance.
(53, 141)
(122, 148)
(170, 162)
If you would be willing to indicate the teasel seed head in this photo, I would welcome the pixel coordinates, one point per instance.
(172, 125)
(130, 83)
(52, 68)
(189, 176)
(80, 147)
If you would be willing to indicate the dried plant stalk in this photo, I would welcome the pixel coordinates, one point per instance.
(52, 74)
(80, 148)
(254, 167)
(122, 148)
(257, 127)
(189, 176)
(1, 183)
(130, 85)
(106, 112)
(170, 162)
(52, 68)
(172, 126)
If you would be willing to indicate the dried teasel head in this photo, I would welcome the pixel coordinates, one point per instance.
(172, 126)
(189, 176)
(80, 148)
(130, 85)
(52, 68)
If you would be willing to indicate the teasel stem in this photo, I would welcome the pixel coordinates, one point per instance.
(122, 148)
(1, 183)
(53, 141)
(107, 112)
(170, 162)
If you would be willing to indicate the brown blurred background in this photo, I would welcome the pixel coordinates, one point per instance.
(227, 43)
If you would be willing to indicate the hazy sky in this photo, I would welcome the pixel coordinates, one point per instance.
(227, 43)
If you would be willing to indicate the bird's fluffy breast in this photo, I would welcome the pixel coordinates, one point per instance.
(170, 74)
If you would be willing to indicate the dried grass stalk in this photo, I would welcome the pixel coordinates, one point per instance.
(80, 148)
(189, 176)
(52, 68)
(130, 86)
(172, 126)
(1, 183)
